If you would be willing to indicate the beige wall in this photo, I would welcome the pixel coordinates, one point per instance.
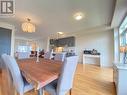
(101, 41)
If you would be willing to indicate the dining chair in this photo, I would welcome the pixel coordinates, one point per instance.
(65, 81)
(60, 56)
(19, 82)
(48, 55)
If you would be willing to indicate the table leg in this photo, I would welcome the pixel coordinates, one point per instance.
(40, 91)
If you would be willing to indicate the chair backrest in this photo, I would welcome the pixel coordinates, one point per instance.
(60, 56)
(14, 70)
(48, 55)
(67, 74)
(1, 63)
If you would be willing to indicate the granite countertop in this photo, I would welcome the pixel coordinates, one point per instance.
(120, 65)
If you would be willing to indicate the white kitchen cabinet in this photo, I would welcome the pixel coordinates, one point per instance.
(92, 59)
(120, 78)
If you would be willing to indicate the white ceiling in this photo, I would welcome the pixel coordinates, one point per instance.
(51, 16)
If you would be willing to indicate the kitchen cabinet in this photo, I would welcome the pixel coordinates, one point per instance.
(92, 59)
(120, 78)
(61, 42)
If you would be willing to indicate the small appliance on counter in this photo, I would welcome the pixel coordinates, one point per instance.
(87, 51)
(93, 52)
(70, 54)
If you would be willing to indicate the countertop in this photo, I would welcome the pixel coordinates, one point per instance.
(120, 65)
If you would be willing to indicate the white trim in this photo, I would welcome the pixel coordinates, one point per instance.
(47, 47)
(8, 26)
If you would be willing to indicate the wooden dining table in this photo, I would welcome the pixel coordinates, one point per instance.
(40, 73)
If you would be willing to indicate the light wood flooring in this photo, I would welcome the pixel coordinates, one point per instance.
(90, 80)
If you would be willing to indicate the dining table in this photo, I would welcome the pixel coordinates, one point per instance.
(40, 73)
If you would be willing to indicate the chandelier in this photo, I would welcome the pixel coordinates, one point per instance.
(28, 26)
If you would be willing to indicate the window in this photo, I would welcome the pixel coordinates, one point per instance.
(24, 48)
(123, 41)
(123, 32)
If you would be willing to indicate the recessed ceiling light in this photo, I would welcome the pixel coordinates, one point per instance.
(78, 16)
(60, 33)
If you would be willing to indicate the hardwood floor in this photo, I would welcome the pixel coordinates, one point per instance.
(91, 80)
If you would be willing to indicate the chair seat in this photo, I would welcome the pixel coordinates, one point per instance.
(51, 88)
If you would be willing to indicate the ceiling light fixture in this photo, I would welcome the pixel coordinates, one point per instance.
(28, 26)
(60, 33)
(78, 16)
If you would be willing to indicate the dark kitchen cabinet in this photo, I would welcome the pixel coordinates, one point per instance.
(61, 42)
